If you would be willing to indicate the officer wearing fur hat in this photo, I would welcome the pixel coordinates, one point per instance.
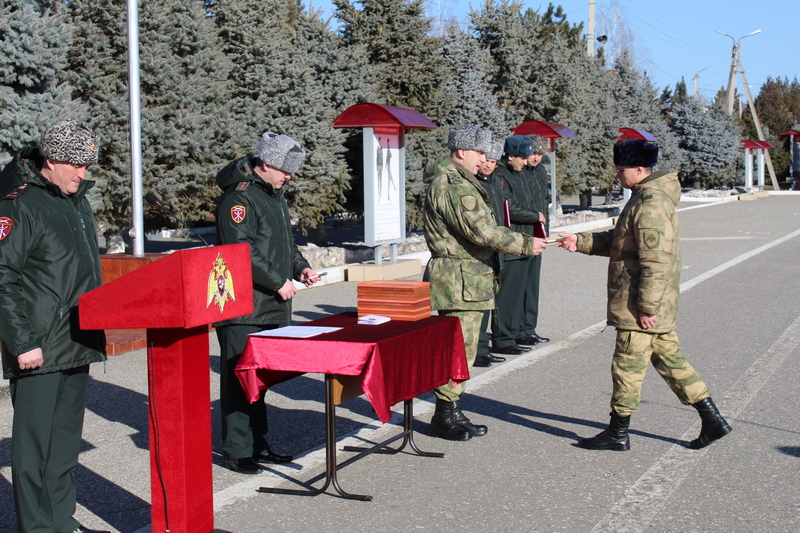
(48, 258)
(494, 189)
(534, 176)
(508, 334)
(252, 209)
(462, 234)
(643, 286)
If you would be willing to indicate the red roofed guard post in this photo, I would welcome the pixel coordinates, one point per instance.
(551, 131)
(748, 146)
(384, 169)
(794, 157)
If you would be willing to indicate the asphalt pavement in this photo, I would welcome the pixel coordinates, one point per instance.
(739, 326)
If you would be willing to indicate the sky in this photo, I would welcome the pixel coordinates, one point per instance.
(676, 39)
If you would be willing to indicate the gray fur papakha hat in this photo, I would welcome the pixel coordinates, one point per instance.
(495, 151)
(469, 137)
(540, 144)
(280, 151)
(70, 141)
(635, 153)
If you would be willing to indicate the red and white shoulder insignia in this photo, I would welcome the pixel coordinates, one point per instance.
(242, 186)
(5, 227)
(238, 212)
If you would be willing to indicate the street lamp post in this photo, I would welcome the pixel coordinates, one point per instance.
(734, 63)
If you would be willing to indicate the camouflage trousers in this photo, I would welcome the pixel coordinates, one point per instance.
(470, 329)
(633, 351)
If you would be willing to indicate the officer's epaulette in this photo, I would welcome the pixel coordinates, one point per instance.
(16, 191)
(242, 185)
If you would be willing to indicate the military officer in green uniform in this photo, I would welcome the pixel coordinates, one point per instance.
(48, 258)
(494, 189)
(252, 210)
(534, 175)
(644, 273)
(463, 236)
(508, 335)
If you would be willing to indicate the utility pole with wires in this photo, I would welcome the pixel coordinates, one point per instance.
(736, 65)
(696, 79)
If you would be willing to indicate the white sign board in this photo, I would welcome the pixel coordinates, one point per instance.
(384, 186)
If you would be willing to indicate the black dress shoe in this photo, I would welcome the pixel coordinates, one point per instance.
(245, 465)
(492, 358)
(527, 340)
(84, 529)
(268, 456)
(482, 361)
(511, 349)
(539, 338)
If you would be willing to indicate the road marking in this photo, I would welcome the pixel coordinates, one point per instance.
(376, 433)
(645, 498)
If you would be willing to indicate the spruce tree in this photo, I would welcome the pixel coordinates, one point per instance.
(395, 34)
(468, 93)
(183, 96)
(33, 47)
(709, 139)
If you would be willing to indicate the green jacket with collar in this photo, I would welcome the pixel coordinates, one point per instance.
(48, 258)
(251, 210)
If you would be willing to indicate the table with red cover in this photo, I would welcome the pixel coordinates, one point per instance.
(395, 361)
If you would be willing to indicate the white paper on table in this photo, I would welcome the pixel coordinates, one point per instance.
(296, 332)
(373, 320)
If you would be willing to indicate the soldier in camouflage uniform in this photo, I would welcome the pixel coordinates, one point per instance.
(643, 286)
(463, 236)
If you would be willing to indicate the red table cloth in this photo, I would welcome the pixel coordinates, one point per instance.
(397, 360)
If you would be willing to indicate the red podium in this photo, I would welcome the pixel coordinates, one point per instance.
(175, 298)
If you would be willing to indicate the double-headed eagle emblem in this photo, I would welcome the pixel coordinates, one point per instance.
(220, 284)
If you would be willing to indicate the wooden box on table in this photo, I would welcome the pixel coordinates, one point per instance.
(399, 300)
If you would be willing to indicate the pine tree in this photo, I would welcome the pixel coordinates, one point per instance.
(709, 139)
(468, 93)
(33, 45)
(395, 34)
(183, 91)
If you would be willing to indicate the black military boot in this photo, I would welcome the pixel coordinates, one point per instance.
(462, 420)
(615, 437)
(443, 424)
(714, 426)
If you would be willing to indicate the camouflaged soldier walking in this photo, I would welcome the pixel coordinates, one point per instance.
(643, 286)
(463, 236)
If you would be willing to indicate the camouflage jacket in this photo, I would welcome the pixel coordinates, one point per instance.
(644, 270)
(462, 235)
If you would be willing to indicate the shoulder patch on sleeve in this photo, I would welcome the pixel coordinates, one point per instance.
(16, 191)
(469, 202)
(242, 185)
(238, 213)
(5, 227)
(651, 238)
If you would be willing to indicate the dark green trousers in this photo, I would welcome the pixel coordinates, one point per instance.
(530, 298)
(509, 317)
(45, 442)
(244, 424)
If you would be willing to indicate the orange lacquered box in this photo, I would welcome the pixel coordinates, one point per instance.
(399, 300)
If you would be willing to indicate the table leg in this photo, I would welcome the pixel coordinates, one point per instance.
(407, 436)
(330, 455)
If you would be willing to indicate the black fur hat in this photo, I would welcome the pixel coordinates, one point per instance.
(635, 153)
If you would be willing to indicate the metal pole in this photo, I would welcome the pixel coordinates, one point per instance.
(590, 30)
(137, 209)
(553, 197)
